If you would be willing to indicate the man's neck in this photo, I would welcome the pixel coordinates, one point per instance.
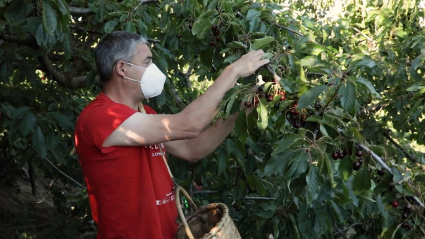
(118, 94)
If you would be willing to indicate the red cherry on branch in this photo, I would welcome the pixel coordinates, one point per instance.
(359, 153)
(394, 203)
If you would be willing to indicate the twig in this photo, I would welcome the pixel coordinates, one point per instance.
(45, 195)
(73, 180)
(33, 226)
(273, 73)
(177, 98)
(29, 42)
(260, 198)
(153, 40)
(380, 162)
(246, 198)
(408, 156)
(375, 156)
(286, 28)
(273, 23)
(205, 192)
(87, 11)
(344, 229)
(364, 35)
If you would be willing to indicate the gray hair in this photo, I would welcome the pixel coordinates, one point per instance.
(116, 46)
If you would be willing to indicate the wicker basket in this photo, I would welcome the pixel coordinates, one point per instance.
(211, 221)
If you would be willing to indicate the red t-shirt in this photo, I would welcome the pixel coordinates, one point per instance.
(129, 188)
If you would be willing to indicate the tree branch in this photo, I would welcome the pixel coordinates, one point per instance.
(238, 14)
(380, 162)
(176, 96)
(51, 70)
(29, 42)
(80, 11)
(76, 11)
(408, 156)
(373, 108)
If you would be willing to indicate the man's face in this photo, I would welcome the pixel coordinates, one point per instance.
(142, 58)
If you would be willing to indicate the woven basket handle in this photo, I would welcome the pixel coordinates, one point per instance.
(179, 208)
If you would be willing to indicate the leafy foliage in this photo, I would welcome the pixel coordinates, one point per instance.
(345, 80)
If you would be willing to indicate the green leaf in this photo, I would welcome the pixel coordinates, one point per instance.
(62, 120)
(348, 96)
(310, 96)
(311, 48)
(16, 12)
(361, 181)
(43, 38)
(201, 26)
(263, 119)
(265, 214)
(222, 161)
(415, 88)
(298, 166)
(28, 123)
(161, 100)
(39, 143)
(369, 85)
(49, 18)
(313, 184)
(230, 59)
(236, 44)
(110, 26)
(284, 143)
(262, 42)
(381, 208)
(311, 61)
(366, 61)
(278, 162)
(252, 13)
(338, 212)
(352, 196)
(20, 112)
(345, 168)
(229, 105)
(241, 127)
(323, 130)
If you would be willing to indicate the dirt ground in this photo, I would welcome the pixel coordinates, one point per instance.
(21, 212)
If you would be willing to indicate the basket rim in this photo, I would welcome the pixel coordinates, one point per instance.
(220, 224)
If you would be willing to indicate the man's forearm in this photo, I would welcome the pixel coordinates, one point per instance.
(211, 138)
(204, 109)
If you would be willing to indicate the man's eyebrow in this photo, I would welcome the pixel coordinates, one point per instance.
(149, 58)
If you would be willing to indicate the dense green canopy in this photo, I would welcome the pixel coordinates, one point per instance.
(339, 154)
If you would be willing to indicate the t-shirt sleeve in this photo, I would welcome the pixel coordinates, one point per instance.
(102, 121)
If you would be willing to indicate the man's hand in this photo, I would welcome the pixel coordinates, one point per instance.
(249, 63)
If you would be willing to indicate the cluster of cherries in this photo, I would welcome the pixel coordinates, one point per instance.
(74, 58)
(215, 32)
(340, 154)
(270, 96)
(296, 118)
(405, 215)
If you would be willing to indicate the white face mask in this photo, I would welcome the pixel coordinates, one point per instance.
(152, 82)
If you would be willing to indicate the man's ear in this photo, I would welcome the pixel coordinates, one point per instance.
(120, 69)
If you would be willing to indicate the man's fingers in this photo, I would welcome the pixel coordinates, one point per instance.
(263, 62)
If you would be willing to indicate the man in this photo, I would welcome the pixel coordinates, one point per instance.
(129, 187)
